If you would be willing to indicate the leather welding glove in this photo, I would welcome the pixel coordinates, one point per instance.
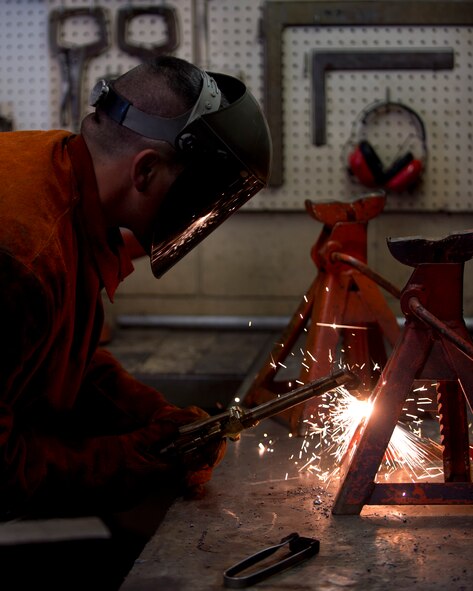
(192, 469)
(198, 466)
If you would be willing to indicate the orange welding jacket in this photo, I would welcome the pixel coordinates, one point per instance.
(71, 418)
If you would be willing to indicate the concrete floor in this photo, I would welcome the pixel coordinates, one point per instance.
(254, 499)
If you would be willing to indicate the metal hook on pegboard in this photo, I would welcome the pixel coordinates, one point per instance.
(170, 18)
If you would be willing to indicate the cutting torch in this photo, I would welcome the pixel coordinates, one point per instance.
(235, 419)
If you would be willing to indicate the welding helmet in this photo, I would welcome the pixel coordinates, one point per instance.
(226, 153)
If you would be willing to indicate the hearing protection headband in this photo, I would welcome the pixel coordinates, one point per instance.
(385, 106)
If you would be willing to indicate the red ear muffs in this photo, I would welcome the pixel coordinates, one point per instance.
(406, 177)
(365, 164)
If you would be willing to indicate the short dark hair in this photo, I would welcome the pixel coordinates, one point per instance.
(165, 85)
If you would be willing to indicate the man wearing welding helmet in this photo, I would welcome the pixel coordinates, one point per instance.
(169, 153)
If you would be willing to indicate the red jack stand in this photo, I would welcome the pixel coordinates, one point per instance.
(435, 346)
(344, 308)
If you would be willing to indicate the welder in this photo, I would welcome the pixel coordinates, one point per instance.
(169, 152)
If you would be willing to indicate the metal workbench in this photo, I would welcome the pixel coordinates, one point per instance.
(254, 500)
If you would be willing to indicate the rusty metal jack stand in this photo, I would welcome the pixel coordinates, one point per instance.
(343, 304)
(434, 345)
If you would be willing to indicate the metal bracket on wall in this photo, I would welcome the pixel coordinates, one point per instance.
(347, 59)
(281, 14)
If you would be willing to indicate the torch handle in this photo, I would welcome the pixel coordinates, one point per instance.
(236, 419)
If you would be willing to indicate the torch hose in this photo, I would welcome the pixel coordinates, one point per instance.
(363, 268)
(418, 309)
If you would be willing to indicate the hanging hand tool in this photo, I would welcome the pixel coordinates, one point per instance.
(143, 52)
(236, 419)
(73, 59)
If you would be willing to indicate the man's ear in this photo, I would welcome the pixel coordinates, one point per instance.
(143, 168)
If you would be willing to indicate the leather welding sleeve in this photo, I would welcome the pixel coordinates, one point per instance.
(144, 413)
(145, 422)
(57, 446)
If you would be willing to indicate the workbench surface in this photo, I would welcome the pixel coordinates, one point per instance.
(254, 500)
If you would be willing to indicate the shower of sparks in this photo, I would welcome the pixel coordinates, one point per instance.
(332, 437)
(334, 430)
(416, 456)
(346, 416)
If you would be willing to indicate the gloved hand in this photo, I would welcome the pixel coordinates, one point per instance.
(198, 465)
(195, 469)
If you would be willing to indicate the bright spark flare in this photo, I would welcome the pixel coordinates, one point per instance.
(335, 325)
(334, 432)
(346, 416)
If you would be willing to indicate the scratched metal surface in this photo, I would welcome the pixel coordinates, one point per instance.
(250, 505)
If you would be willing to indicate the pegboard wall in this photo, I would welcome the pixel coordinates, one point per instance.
(442, 99)
(32, 83)
(225, 35)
